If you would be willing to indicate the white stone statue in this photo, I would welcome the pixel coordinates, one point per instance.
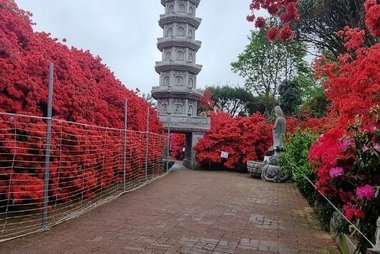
(269, 170)
(278, 131)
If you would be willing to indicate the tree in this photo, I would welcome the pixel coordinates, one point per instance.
(259, 104)
(317, 22)
(290, 97)
(316, 106)
(233, 100)
(266, 64)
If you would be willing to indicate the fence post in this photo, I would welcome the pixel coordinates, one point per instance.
(48, 143)
(125, 144)
(147, 145)
(168, 153)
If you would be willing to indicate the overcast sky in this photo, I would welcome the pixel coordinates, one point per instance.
(124, 34)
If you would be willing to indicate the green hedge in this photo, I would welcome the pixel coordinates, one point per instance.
(294, 161)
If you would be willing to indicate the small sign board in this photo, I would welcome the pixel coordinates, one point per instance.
(224, 155)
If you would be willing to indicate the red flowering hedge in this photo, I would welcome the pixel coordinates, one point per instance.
(85, 91)
(346, 157)
(353, 87)
(244, 138)
(347, 165)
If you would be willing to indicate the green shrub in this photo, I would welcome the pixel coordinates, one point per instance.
(294, 161)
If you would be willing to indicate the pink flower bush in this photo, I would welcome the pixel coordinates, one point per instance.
(346, 143)
(335, 172)
(365, 192)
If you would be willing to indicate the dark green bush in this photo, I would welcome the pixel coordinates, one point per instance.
(294, 161)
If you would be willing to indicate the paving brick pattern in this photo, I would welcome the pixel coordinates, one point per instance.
(190, 211)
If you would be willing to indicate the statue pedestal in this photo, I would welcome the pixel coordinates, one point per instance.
(268, 170)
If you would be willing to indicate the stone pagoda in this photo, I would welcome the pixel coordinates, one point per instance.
(177, 95)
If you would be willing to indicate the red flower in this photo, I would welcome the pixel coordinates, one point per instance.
(273, 9)
(290, 14)
(352, 212)
(254, 5)
(372, 19)
(260, 22)
(353, 37)
(286, 32)
(272, 33)
(369, 3)
(250, 18)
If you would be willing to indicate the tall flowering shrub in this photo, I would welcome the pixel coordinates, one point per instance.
(243, 138)
(346, 157)
(346, 163)
(85, 91)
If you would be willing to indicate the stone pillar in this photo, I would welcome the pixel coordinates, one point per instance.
(191, 140)
(196, 137)
(187, 162)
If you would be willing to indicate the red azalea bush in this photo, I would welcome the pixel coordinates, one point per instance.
(316, 125)
(85, 91)
(346, 157)
(347, 163)
(177, 144)
(347, 160)
(243, 138)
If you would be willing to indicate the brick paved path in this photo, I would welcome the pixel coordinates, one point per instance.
(190, 212)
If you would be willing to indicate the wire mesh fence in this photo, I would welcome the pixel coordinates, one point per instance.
(86, 165)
